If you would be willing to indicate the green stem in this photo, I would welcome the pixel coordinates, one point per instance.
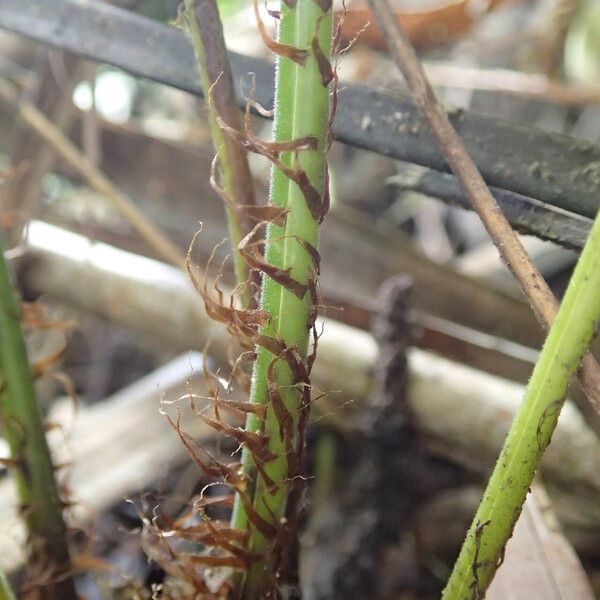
(302, 109)
(25, 433)
(325, 465)
(531, 430)
(206, 33)
(6, 592)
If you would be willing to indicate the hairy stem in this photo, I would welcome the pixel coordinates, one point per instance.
(302, 109)
(532, 428)
(24, 430)
(206, 33)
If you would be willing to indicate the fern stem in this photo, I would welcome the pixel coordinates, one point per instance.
(206, 33)
(25, 433)
(530, 433)
(302, 109)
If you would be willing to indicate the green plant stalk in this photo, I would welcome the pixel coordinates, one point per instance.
(282, 130)
(301, 109)
(6, 592)
(325, 465)
(24, 431)
(204, 27)
(532, 428)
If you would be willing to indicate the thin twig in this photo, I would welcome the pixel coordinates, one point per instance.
(511, 250)
(94, 177)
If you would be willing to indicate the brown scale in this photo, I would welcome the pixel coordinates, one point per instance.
(238, 557)
(249, 249)
(313, 199)
(268, 213)
(242, 407)
(238, 374)
(34, 318)
(324, 65)
(220, 540)
(207, 528)
(250, 142)
(325, 5)
(233, 406)
(262, 525)
(284, 418)
(297, 55)
(226, 500)
(240, 322)
(227, 473)
(255, 442)
(272, 151)
(202, 534)
(335, 51)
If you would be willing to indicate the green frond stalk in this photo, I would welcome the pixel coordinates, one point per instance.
(24, 430)
(203, 24)
(6, 592)
(530, 433)
(301, 109)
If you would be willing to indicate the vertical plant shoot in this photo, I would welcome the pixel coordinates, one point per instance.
(30, 456)
(530, 433)
(202, 22)
(268, 484)
(290, 269)
(275, 334)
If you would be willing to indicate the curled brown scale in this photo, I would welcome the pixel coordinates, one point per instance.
(298, 55)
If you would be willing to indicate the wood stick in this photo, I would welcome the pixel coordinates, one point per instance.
(511, 250)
